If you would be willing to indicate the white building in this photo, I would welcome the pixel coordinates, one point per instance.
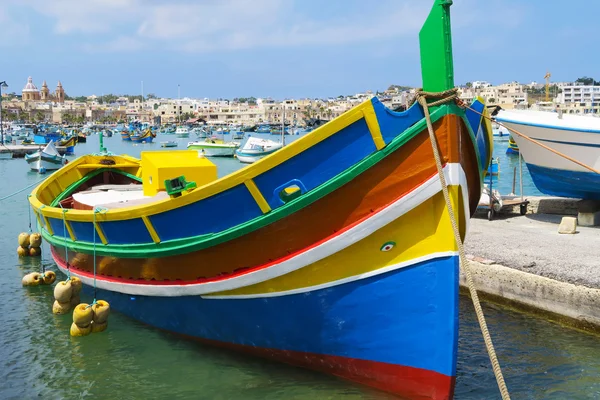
(579, 94)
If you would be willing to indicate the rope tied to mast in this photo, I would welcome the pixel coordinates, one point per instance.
(440, 98)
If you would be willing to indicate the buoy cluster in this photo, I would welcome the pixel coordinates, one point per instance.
(90, 318)
(66, 295)
(29, 245)
(36, 279)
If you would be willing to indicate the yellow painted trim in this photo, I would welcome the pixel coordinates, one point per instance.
(151, 229)
(48, 226)
(257, 195)
(39, 220)
(232, 180)
(373, 124)
(70, 230)
(100, 233)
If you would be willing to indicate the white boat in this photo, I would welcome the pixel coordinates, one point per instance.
(168, 143)
(573, 135)
(47, 159)
(254, 148)
(200, 132)
(214, 148)
(182, 131)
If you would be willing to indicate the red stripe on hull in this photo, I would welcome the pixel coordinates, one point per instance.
(407, 382)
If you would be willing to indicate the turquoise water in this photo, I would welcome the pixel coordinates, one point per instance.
(508, 164)
(38, 358)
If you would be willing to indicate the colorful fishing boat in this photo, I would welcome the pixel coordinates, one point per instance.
(125, 135)
(573, 135)
(512, 148)
(145, 137)
(69, 144)
(46, 159)
(214, 147)
(254, 149)
(169, 143)
(357, 271)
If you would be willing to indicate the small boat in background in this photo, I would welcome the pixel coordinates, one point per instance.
(199, 132)
(576, 136)
(46, 159)
(512, 146)
(146, 137)
(169, 143)
(125, 136)
(182, 131)
(69, 144)
(214, 147)
(254, 148)
(494, 167)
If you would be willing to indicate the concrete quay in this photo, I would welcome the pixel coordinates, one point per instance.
(19, 150)
(523, 262)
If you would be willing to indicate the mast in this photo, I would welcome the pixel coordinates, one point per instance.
(178, 105)
(435, 41)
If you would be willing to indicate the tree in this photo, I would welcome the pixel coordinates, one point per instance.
(491, 100)
(586, 80)
(67, 119)
(151, 96)
(468, 85)
(39, 116)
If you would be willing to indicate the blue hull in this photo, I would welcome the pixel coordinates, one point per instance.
(406, 319)
(562, 183)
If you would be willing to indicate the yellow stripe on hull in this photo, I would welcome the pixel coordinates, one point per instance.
(424, 230)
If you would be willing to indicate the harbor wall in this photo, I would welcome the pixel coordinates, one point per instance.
(573, 305)
(548, 205)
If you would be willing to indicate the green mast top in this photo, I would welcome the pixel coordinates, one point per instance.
(435, 41)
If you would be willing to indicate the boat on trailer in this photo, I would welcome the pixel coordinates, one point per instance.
(358, 272)
(576, 136)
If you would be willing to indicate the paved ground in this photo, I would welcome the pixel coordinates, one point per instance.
(531, 243)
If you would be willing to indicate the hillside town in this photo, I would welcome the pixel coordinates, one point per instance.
(42, 105)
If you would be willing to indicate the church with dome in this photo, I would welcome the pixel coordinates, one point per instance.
(32, 93)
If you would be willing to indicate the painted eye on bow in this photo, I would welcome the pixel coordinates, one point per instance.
(387, 246)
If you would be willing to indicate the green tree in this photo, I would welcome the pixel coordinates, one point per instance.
(491, 100)
(39, 116)
(151, 96)
(67, 119)
(586, 80)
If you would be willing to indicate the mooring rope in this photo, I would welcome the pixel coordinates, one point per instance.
(520, 134)
(23, 189)
(64, 212)
(96, 211)
(442, 98)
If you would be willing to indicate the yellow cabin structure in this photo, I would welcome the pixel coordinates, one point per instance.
(158, 166)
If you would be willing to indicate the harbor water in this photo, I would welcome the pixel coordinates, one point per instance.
(38, 358)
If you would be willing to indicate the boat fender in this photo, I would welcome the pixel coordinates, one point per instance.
(63, 291)
(99, 326)
(75, 300)
(82, 315)
(80, 331)
(42, 170)
(49, 277)
(76, 285)
(35, 251)
(35, 240)
(60, 308)
(32, 279)
(22, 251)
(101, 311)
(24, 239)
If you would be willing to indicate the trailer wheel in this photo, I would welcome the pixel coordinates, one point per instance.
(523, 209)
(491, 214)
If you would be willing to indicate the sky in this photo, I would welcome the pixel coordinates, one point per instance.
(284, 48)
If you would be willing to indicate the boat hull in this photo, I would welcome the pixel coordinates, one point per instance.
(367, 330)
(554, 175)
(126, 137)
(214, 151)
(47, 163)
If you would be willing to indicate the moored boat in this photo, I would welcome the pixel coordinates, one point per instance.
(168, 143)
(357, 274)
(125, 135)
(573, 135)
(144, 137)
(182, 131)
(213, 147)
(254, 149)
(512, 146)
(46, 159)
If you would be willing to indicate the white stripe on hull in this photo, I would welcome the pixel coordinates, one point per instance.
(454, 176)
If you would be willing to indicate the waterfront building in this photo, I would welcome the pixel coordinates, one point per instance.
(30, 92)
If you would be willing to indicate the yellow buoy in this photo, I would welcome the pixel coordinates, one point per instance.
(77, 330)
(99, 327)
(76, 285)
(35, 240)
(75, 299)
(82, 314)
(22, 251)
(61, 308)
(24, 239)
(49, 277)
(35, 251)
(32, 279)
(101, 311)
(63, 291)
